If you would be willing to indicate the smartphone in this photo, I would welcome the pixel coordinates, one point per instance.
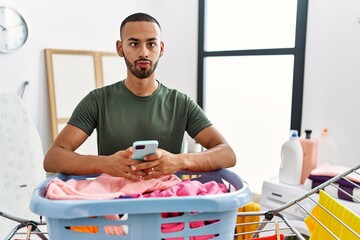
(143, 148)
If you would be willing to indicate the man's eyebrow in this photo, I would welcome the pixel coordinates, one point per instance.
(133, 39)
(152, 39)
(137, 40)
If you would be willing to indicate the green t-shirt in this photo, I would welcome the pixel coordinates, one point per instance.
(120, 117)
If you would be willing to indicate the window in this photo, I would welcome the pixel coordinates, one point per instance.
(250, 77)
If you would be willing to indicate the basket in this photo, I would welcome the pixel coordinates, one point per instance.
(143, 217)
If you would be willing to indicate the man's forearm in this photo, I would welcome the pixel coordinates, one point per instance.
(60, 160)
(220, 156)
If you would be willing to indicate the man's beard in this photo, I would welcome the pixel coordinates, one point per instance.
(142, 73)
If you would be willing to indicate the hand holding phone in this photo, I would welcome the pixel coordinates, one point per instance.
(143, 148)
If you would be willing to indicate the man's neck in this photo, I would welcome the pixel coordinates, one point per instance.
(141, 87)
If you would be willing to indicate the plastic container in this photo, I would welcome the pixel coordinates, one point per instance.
(143, 216)
(327, 149)
(310, 151)
(291, 160)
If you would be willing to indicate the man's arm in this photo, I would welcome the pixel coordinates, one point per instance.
(218, 155)
(62, 158)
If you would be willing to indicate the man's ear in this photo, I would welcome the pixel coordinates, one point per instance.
(162, 46)
(119, 48)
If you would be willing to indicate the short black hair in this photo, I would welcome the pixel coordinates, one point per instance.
(139, 17)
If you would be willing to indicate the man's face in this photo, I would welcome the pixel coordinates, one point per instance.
(141, 48)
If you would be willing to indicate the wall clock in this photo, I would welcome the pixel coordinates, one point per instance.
(13, 30)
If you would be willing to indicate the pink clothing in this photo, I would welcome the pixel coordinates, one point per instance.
(176, 227)
(189, 188)
(105, 187)
(329, 170)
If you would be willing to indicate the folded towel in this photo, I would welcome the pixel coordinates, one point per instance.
(354, 192)
(343, 182)
(351, 188)
(344, 214)
(329, 170)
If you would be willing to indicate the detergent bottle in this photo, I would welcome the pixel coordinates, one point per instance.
(310, 147)
(327, 150)
(291, 160)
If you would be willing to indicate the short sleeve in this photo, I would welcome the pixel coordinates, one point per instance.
(197, 120)
(85, 115)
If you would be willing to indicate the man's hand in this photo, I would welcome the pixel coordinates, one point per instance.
(120, 164)
(159, 164)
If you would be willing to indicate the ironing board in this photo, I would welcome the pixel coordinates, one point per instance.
(21, 157)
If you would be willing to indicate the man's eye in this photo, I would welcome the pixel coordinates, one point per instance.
(152, 44)
(133, 44)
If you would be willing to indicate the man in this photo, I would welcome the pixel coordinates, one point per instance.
(138, 108)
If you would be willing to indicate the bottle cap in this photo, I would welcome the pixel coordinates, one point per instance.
(294, 134)
(325, 132)
(308, 133)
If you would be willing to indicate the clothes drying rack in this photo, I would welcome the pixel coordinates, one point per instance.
(274, 223)
(31, 226)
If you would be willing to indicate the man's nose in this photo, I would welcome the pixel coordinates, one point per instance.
(143, 51)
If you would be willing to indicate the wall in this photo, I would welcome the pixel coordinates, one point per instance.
(332, 74)
(332, 70)
(94, 25)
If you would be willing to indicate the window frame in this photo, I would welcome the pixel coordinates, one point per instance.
(298, 51)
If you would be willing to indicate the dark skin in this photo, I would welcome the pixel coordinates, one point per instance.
(142, 48)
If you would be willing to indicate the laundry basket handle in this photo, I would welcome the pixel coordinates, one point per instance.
(232, 178)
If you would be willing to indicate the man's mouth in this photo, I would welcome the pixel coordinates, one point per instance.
(143, 64)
